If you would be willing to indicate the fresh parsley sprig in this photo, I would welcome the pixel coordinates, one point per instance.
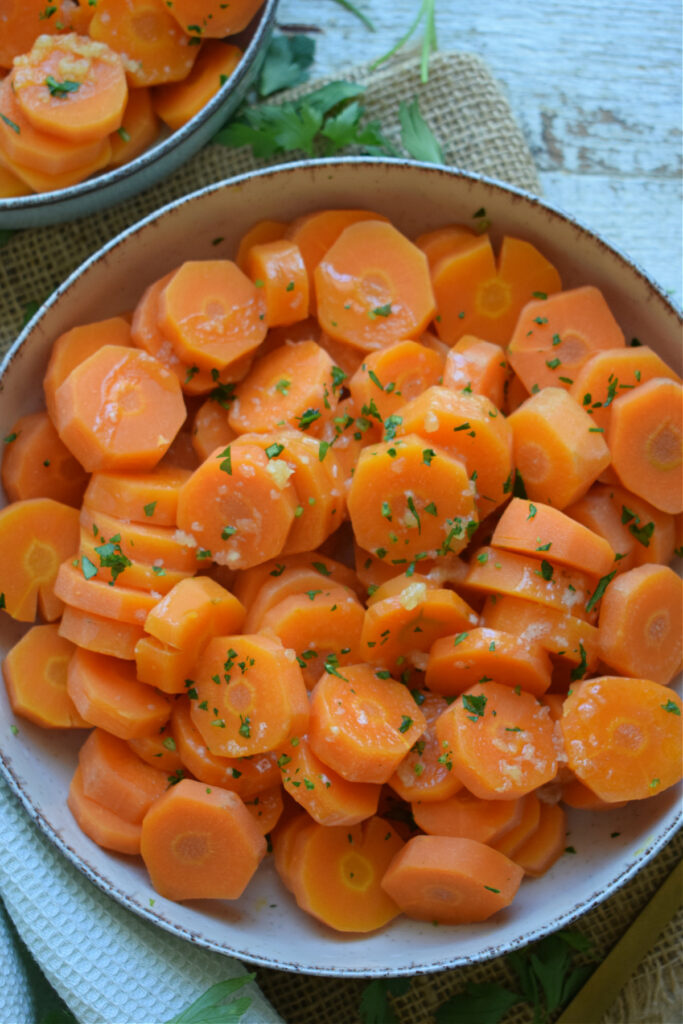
(426, 17)
(357, 13)
(212, 1007)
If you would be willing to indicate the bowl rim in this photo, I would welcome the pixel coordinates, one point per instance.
(150, 156)
(650, 847)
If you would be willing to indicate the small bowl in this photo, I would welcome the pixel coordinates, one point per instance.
(265, 926)
(157, 161)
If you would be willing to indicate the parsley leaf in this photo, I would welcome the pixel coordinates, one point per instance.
(213, 1006)
(477, 1003)
(348, 6)
(286, 63)
(61, 88)
(416, 135)
(374, 1007)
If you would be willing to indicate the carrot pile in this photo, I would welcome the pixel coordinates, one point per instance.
(360, 543)
(86, 86)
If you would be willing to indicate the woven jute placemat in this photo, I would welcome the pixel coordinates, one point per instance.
(472, 118)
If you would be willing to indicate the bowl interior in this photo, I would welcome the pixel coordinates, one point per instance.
(265, 926)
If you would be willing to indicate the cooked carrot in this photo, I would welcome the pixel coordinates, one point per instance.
(245, 776)
(639, 632)
(99, 634)
(538, 853)
(237, 507)
(329, 798)
(22, 24)
(200, 842)
(79, 16)
(138, 129)
(336, 873)
(35, 670)
(393, 376)
(114, 776)
(99, 823)
(528, 823)
(372, 287)
(160, 547)
(141, 497)
(71, 87)
(566, 636)
(156, 48)
(249, 582)
(645, 438)
(458, 662)
(107, 694)
(423, 774)
(193, 611)
(36, 535)
(81, 587)
(468, 817)
(260, 698)
(177, 103)
(160, 751)
(577, 795)
(283, 840)
(11, 185)
(262, 231)
(278, 269)
(531, 529)
(37, 464)
(348, 432)
(469, 428)
(445, 241)
(500, 741)
(266, 808)
(410, 498)
(478, 366)
(623, 737)
(299, 579)
(515, 394)
(211, 429)
(42, 181)
(451, 880)
(556, 449)
(598, 511)
(214, 19)
(162, 666)
(363, 725)
(212, 314)
(72, 347)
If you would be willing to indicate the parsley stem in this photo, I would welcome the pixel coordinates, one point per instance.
(426, 11)
(356, 11)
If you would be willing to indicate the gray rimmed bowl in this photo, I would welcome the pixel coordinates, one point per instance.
(157, 161)
(265, 926)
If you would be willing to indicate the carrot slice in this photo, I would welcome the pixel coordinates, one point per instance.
(259, 700)
(160, 751)
(458, 662)
(529, 529)
(37, 464)
(114, 776)
(71, 87)
(329, 799)
(262, 231)
(651, 531)
(156, 48)
(266, 808)
(336, 873)
(557, 450)
(11, 185)
(623, 737)
(444, 241)
(162, 666)
(598, 511)
(158, 546)
(639, 632)
(514, 838)
(565, 636)
(237, 506)
(451, 880)
(41, 181)
(106, 693)
(74, 346)
(141, 497)
(200, 842)
(468, 817)
(645, 438)
(423, 774)
(408, 498)
(194, 610)
(278, 268)
(22, 24)
(283, 845)
(395, 375)
(138, 129)
(372, 287)
(177, 103)
(249, 583)
(362, 725)
(502, 755)
(99, 634)
(80, 587)
(211, 429)
(36, 535)
(212, 313)
(299, 579)
(478, 366)
(35, 671)
(105, 828)
(212, 19)
(547, 844)
(577, 795)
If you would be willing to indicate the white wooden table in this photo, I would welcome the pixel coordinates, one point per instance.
(594, 84)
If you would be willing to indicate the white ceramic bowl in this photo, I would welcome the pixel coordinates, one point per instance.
(265, 926)
(159, 160)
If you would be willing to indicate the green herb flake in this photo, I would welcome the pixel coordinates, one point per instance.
(149, 508)
(603, 583)
(474, 704)
(406, 722)
(671, 707)
(61, 89)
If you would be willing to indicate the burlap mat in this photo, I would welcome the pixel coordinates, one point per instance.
(473, 120)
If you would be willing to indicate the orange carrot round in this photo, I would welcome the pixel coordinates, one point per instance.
(138, 129)
(72, 347)
(278, 269)
(158, 50)
(178, 102)
(114, 776)
(423, 774)
(99, 823)
(35, 671)
(37, 464)
(107, 693)
(212, 19)
(459, 661)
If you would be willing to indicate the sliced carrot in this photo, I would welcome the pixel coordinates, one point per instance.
(138, 129)
(515, 394)
(262, 231)
(156, 48)
(329, 798)
(79, 17)
(37, 464)
(299, 579)
(41, 181)
(114, 776)
(211, 429)
(100, 824)
(514, 838)
(408, 498)
(200, 842)
(71, 87)
(531, 529)
(623, 737)
(11, 185)
(445, 241)
(237, 507)
(598, 511)
(577, 795)
(22, 24)
(214, 19)
(283, 840)
(500, 755)
(278, 269)
(80, 587)
(139, 575)
(362, 725)
(423, 774)
(348, 432)
(177, 103)
(478, 366)
(161, 547)
(141, 497)
(212, 313)
(451, 880)
(72, 347)
(546, 845)
(557, 450)
(36, 535)
(162, 666)
(160, 751)
(344, 356)
(99, 634)
(266, 808)
(336, 873)
(193, 611)
(639, 632)
(468, 817)
(458, 662)
(565, 636)
(260, 698)
(35, 671)
(394, 375)
(640, 532)
(248, 583)
(106, 693)
(645, 438)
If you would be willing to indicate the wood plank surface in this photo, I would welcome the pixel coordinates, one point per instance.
(595, 86)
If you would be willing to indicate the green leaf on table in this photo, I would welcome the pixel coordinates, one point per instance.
(5, 235)
(547, 974)
(286, 63)
(374, 1006)
(416, 135)
(356, 11)
(30, 310)
(212, 1008)
(478, 1004)
(329, 96)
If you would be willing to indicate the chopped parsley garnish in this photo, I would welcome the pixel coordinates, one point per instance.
(603, 583)
(384, 311)
(474, 704)
(307, 418)
(226, 464)
(245, 726)
(149, 508)
(406, 722)
(672, 707)
(273, 450)
(61, 89)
